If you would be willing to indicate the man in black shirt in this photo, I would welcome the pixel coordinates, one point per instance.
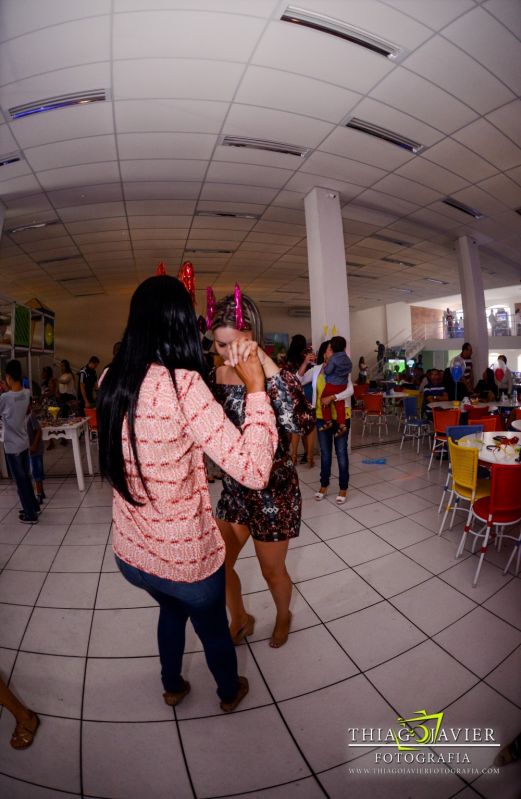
(87, 384)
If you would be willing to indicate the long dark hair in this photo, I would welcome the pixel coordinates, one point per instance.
(162, 329)
(296, 350)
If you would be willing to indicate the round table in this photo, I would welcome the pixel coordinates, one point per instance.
(504, 455)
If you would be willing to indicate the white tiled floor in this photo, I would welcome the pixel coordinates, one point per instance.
(385, 622)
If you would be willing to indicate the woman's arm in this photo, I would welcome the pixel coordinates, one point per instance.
(293, 411)
(347, 392)
(245, 454)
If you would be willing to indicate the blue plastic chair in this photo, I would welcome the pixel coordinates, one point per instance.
(413, 426)
(456, 432)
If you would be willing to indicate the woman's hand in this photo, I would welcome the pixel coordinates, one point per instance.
(243, 356)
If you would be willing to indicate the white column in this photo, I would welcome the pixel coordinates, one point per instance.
(327, 266)
(473, 298)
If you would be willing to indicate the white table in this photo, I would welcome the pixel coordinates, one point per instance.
(504, 456)
(486, 407)
(72, 431)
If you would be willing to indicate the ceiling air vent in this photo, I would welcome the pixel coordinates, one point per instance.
(264, 144)
(299, 311)
(354, 263)
(61, 259)
(54, 103)
(227, 214)
(435, 280)
(389, 260)
(361, 277)
(208, 251)
(399, 242)
(335, 27)
(386, 135)
(12, 158)
(33, 226)
(465, 209)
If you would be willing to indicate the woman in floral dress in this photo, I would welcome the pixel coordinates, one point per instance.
(271, 516)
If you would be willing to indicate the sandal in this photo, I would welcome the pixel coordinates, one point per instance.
(174, 698)
(341, 498)
(24, 732)
(320, 495)
(246, 629)
(244, 687)
(277, 641)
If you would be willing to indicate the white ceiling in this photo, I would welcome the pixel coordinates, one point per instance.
(124, 178)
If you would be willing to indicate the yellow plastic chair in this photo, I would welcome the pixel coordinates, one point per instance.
(465, 484)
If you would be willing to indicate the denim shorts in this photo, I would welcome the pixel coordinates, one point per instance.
(37, 467)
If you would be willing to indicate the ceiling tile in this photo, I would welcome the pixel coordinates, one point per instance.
(161, 189)
(7, 142)
(163, 169)
(171, 78)
(448, 67)
(75, 151)
(16, 170)
(95, 225)
(288, 47)
(460, 160)
(304, 182)
(16, 20)
(419, 98)
(258, 8)
(477, 198)
(220, 172)
(265, 123)
(503, 189)
(363, 214)
(69, 123)
(154, 207)
(151, 222)
(342, 168)
(435, 15)
(79, 175)
(231, 193)
(490, 43)
(507, 12)
(153, 34)
(165, 145)
(169, 115)
(489, 142)
(508, 119)
(159, 234)
(367, 149)
(298, 94)
(246, 155)
(383, 202)
(406, 189)
(12, 188)
(94, 211)
(55, 47)
(435, 177)
(101, 236)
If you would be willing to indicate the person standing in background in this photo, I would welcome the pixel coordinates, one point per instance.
(13, 411)
(362, 371)
(87, 384)
(380, 357)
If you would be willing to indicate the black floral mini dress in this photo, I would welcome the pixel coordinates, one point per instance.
(272, 514)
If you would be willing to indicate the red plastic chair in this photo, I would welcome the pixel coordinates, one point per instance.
(491, 424)
(476, 413)
(518, 413)
(92, 421)
(374, 413)
(501, 509)
(440, 421)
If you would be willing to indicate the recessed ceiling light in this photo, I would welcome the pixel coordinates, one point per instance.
(350, 33)
(465, 209)
(55, 103)
(439, 282)
(227, 214)
(12, 158)
(389, 260)
(385, 135)
(264, 144)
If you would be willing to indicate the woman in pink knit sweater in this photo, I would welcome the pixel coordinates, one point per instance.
(156, 419)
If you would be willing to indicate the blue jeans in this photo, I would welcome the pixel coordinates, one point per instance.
(326, 438)
(204, 604)
(19, 466)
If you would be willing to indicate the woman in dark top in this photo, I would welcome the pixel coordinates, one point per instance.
(298, 349)
(271, 516)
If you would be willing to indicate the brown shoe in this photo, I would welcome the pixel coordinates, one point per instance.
(25, 731)
(244, 687)
(175, 698)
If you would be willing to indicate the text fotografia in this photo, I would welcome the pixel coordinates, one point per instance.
(417, 732)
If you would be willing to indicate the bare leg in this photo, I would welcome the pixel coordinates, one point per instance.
(235, 537)
(310, 447)
(272, 560)
(295, 438)
(26, 720)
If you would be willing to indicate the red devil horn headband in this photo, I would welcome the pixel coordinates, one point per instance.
(211, 305)
(187, 277)
(239, 310)
(160, 269)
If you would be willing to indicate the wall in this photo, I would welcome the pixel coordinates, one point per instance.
(89, 326)
(398, 315)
